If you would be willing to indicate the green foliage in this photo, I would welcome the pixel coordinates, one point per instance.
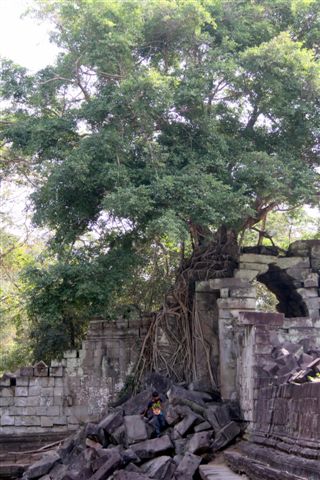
(159, 118)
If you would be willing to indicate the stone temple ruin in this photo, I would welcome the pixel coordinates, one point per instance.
(267, 362)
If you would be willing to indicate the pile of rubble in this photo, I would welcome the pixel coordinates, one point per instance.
(291, 363)
(123, 446)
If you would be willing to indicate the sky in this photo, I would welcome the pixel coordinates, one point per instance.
(26, 42)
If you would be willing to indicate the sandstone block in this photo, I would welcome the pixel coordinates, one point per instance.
(70, 354)
(111, 464)
(257, 258)
(119, 435)
(7, 392)
(22, 391)
(46, 421)
(27, 421)
(292, 262)
(248, 275)
(43, 466)
(56, 371)
(243, 292)
(202, 427)
(125, 475)
(311, 280)
(6, 401)
(149, 448)
(5, 382)
(161, 468)
(185, 425)
(51, 411)
(260, 267)
(187, 467)
(22, 381)
(46, 401)
(237, 303)
(199, 442)
(226, 435)
(6, 420)
(27, 401)
(34, 391)
(111, 422)
(26, 371)
(135, 429)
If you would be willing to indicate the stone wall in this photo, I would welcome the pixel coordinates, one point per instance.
(293, 278)
(60, 397)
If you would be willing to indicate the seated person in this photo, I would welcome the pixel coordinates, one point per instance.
(154, 413)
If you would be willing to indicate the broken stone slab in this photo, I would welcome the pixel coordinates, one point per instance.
(119, 435)
(149, 448)
(161, 468)
(104, 456)
(110, 423)
(202, 427)
(111, 464)
(91, 432)
(137, 404)
(226, 435)
(180, 445)
(199, 442)
(135, 427)
(172, 415)
(175, 394)
(185, 425)
(131, 467)
(43, 466)
(187, 467)
(125, 475)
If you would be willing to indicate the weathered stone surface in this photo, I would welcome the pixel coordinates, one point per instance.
(226, 435)
(111, 464)
(43, 466)
(202, 427)
(187, 467)
(161, 468)
(111, 422)
(185, 425)
(149, 448)
(123, 475)
(175, 394)
(199, 442)
(119, 435)
(135, 429)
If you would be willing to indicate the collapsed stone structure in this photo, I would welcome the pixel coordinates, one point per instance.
(241, 344)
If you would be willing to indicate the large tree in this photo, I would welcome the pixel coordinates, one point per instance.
(166, 118)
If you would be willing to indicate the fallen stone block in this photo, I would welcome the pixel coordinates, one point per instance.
(91, 431)
(43, 466)
(199, 442)
(202, 427)
(137, 404)
(185, 425)
(149, 448)
(175, 394)
(124, 475)
(161, 468)
(187, 467)
(131, 467)
(172, 415)
(305, 360)
(180, 445)
(110, 423)
(135, 429)
(118, 436)
(226, 435)
(111, 464)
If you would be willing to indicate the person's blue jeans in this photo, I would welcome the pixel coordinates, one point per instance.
(159, 423)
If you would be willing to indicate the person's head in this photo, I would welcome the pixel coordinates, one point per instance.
(155, 395)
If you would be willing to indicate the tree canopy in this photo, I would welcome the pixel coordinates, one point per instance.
(162, 119)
